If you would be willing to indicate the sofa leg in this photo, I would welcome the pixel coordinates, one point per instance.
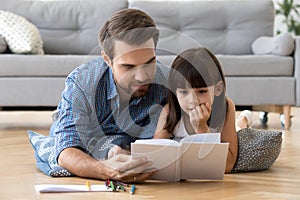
(287, 116)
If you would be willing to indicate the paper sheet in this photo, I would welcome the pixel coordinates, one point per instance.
(48, 188)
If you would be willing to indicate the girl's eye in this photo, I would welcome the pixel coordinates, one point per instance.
(202, 91)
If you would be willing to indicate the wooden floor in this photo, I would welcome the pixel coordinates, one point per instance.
(19, 174)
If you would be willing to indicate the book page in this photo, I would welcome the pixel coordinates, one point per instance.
(163, 156)
(205, 161)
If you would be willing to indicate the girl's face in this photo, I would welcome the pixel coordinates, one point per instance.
(189, 98)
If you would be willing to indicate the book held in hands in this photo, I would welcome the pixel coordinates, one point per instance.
(198, 156)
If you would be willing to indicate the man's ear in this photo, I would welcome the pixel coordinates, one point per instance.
(219, 88)
(106, 58)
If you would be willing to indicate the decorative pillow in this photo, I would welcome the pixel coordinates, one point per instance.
(258, 149)
(44, 152)
(282, 44)
(3, 45)
(20, 35)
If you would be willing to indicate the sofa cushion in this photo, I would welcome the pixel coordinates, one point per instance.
(20, 35)
(3, 45)
(249, 65)
(67, 27)
(62, 65)
(225, 27)
(40, 65)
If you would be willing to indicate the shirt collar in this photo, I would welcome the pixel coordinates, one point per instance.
(112, 89)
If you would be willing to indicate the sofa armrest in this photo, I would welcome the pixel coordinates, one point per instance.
(297, 69)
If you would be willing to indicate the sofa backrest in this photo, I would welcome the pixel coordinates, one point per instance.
(223, 26)
(66, 26)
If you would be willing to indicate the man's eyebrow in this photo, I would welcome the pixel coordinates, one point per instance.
(148, 62)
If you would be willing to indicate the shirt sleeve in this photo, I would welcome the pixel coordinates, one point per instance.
(73, 120)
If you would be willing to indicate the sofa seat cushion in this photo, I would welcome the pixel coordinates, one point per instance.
(62, 65)
(40, 65)
(249, 65)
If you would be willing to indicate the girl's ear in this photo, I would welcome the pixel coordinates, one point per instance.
(219, 87)
(106, 58)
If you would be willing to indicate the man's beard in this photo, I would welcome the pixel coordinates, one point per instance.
(140, 93)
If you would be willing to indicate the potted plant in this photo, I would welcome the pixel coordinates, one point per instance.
(289, 10)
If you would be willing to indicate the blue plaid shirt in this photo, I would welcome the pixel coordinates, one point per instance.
(89, 116)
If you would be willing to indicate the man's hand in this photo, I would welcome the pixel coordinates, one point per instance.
(124, 168)
(199, 116)
(117, 150)
(119, 166)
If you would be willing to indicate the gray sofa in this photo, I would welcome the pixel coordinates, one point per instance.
(69, 31)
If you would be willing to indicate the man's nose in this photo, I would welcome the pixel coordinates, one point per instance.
(141, 74)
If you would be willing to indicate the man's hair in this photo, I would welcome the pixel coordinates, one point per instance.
(128, 25)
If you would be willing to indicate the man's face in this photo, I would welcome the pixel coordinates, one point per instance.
(134, 67)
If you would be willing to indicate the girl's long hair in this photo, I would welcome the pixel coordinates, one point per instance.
(196, 68)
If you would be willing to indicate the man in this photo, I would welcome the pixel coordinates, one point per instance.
(111, 101)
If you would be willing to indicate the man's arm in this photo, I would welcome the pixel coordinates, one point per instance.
(120, 167)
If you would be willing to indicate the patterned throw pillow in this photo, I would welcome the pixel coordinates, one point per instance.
(20, 35)
(258, 149)
(43, 147)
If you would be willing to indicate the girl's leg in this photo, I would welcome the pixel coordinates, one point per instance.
(244, 120)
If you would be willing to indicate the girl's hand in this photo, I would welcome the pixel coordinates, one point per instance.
(199, 116)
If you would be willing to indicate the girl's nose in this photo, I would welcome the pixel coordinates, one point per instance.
(193, 100)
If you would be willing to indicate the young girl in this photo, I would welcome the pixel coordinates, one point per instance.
(197, 102)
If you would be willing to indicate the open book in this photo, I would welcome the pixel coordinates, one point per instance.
(199, 156)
